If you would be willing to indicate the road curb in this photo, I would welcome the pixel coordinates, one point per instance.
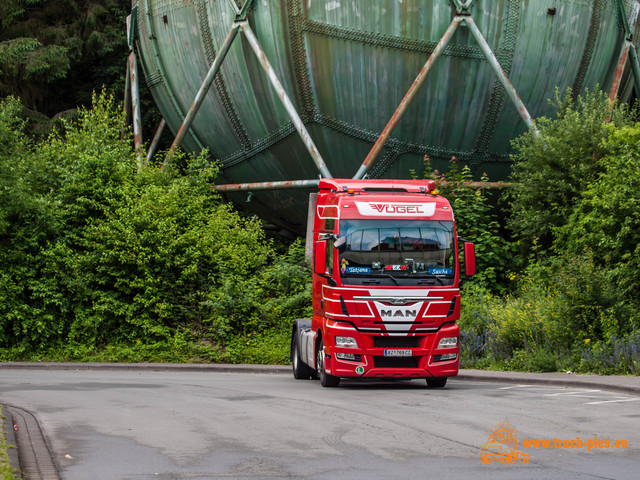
(629, 385)
(34, 457)
(10, 440)
(184, 367)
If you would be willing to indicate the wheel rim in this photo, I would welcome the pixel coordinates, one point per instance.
(320, 361)
(295, 355)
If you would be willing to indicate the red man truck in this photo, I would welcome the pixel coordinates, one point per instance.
(386, 282)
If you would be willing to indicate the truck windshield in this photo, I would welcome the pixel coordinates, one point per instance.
(397, 251)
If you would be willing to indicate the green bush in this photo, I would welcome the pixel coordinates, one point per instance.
(550, 170)
(268, 347)
(615, 355)
(606, 218)
(476, 222)
(573, 305)
(101, 259)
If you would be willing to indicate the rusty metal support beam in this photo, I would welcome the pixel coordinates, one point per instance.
(462, 6)
(135, 108)
(284, 185)
(406, 101)
(617, 77)
(628, 53)
(156, 140)
(481, 185)
(126, 105)
(502, 76)
(233, 5)
(300, 184)
(635, 67)
(202, 92)
(622, 11)
(286, 101)
(242, 14)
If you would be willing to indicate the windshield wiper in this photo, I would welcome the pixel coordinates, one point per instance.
(391, 277)
(380, 275)
(431, 281)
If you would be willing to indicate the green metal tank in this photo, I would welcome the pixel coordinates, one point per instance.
(346, 66)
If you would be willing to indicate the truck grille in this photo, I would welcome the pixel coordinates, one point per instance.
(392, 362)
(396, 342)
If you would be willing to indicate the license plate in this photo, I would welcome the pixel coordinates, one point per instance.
(398, 352)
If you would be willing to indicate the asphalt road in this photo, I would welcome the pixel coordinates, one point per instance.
(202, 425)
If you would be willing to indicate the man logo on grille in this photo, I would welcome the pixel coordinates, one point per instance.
(399, 313)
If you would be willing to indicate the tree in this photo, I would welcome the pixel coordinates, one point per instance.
(606, 218)
(95, 252)
(551, 169)
(54, 53)
(477, 222)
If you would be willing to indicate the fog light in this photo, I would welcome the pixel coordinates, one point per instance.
(448, 342)
(349, 356)
(445, 357)
(346, 342)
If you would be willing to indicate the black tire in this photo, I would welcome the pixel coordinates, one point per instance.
(326, 380)
(436, 382)
(301, 371)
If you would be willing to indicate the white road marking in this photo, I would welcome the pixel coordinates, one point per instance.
(571, 393)
(614, 401)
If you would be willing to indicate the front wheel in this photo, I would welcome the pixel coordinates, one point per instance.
(326, 380)
(301, 371)
(436, 382)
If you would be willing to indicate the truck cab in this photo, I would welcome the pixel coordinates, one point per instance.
(386, 276)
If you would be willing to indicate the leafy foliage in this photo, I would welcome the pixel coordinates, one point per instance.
(606, 218)
(575, 305)
(476, 222)
(27, 61)
(551, 169)
(54, 54)
(101, 258)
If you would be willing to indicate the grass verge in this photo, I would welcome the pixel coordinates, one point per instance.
(6, 471)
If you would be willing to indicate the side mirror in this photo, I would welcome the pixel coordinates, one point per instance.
(469, 259)
(340, 244)
(320, 258)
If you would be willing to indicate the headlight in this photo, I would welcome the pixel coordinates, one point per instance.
(346, 342)
(448, 342)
